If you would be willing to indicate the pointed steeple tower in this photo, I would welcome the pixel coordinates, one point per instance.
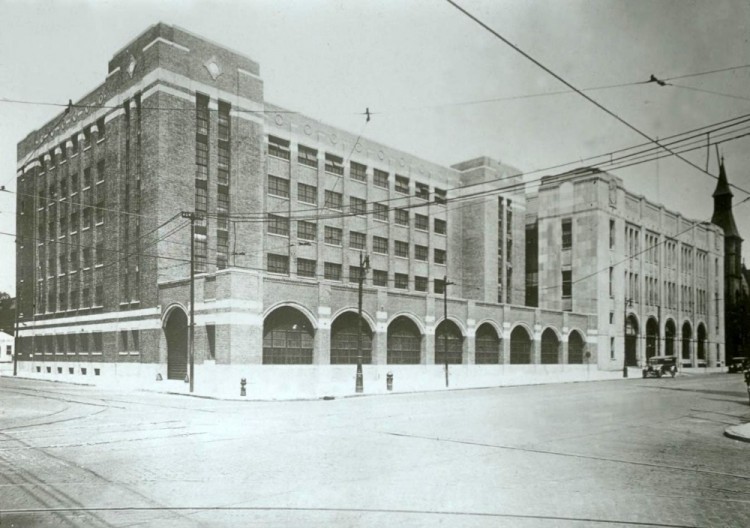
(723, 216)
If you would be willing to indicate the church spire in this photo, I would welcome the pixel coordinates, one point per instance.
(722, 187)
(723, 216)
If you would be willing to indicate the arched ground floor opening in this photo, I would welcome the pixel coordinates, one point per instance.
(176, 332)
(288, 338)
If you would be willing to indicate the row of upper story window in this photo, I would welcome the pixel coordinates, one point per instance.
(308, 231)
(69, 186)
(52, 300)
(201, 248)
(308, 268)
(78, 142)
(279, 187)
(651, 253)
(280, 148)
(202, 127)
(70, 262)
(59, 226)
(74, 343)
(652, 295)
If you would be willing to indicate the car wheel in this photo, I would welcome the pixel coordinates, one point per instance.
(644, 374)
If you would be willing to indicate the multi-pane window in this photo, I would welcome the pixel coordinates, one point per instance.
(421, 252)
(441, 226)
(222, 249)
(201, 115)
(201, 251)
(307, 193)
(307, 230)
(278, 186)
(355, 272)
(99, 212)
(423, 191)
(401, 281)
(357, 171)
(86, 218)
(421, 222)
(224, 121)
(401, 249)
(278, 225)
(278, 147)
(334, 200)
(222, 207)
(420, 283)
(100, 126)
(100, 253)
(201, 197)
(278, 263)
(439, 256)
(87, 258)
(440, 196)
(438, 286)
(332, 271)
(74, 220)
(357, 240)
(357, 206)
(380, 245)
(379, 278)
(567, 283)
(63, 264)
(99, 174)
(306, 268)
(86, 178)
(334, 164)
(402, 217)
(402, 184)
(63, 188)
(99, 298)
(380, 212)
(567, 234)
(333, 235)
(201, 157)
(307, 156)
(63, 226)
(380, 178)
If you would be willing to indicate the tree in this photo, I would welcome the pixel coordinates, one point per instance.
(4, 295)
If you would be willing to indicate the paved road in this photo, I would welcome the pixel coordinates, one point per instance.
(630, 452)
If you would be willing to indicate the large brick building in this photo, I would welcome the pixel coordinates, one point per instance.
(288, 206)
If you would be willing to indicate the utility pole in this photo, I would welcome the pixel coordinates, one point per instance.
(628, 302)
(191, 334)
(364, 264)
(445, 321)
(16, 337)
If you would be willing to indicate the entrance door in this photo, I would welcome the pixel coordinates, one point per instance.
(631, 340)
(176, 333)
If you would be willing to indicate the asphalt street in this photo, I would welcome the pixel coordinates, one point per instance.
(614, 453)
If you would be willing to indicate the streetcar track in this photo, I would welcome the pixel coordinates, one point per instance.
(103, 442)
(572, 455)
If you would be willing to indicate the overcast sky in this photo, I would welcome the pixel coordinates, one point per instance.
(413, 63)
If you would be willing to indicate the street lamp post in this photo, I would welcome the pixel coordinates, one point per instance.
(364, 264)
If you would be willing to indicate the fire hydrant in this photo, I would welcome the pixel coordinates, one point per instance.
(243, 382)
(389, 381)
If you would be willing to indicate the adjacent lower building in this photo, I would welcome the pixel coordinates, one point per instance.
(464, 265)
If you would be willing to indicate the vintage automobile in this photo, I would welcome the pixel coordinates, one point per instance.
(660, 366)
(738, 364)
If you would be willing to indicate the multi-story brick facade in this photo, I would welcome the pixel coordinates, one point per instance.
(287, 208)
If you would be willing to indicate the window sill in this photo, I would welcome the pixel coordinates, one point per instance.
(329, 244)
(100, 140)
(86, 228)
(99, 223)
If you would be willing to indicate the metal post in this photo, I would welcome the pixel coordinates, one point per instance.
(445, 319)
(16, 337)
(364, 263)
(191, 333)
(625, 340)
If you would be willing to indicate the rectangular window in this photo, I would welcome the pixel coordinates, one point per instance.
(357, 240)
(441, 226)
(307, 156)
(421, 222)
(420, 283)
(401, 249)
(354, 274)
(334, 164)
(278, 147)
(223, 155)
(401, 280)
(307, 193)
(211, 341)
(357, 171)
(278, 264)
(439, 256)
(438, 286)
(334, 200)
(380, 245)
(380, 212)
(99, 173)
(423, 191)
(611, 282)
(307, 230)
(380, 178)
(86, 179)
(100, 253)
(278, 186)
(402, 184)
(87, 258)
(124, 340)
(567, 234)
(201, 197)
(421, 252)
(567, 283)
(278, 225)
(333, 235)
(201, 251)
(306, 268)
(402, 217)
(201, 158)
(332, 271)
(201, 114)
(74, 221)
(379, 278)
(100, 126)
(611, 348)
(222, 249)
(222, 206)
(99, 295)
(440, 196)
(357, 206)
(100, 212)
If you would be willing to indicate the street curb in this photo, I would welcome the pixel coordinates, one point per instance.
(734, 433)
